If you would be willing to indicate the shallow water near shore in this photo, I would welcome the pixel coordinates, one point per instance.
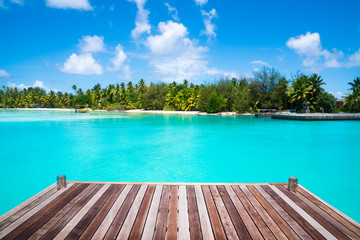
(36, 146)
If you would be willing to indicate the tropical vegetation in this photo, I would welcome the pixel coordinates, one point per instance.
(267, 89)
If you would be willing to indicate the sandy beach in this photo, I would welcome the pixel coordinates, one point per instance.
(137, 111)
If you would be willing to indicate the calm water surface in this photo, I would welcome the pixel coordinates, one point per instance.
(36, 146)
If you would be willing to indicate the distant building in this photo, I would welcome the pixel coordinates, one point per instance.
(340, 103)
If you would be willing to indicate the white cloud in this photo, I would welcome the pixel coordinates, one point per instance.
(37, 83)
(209, 26)
(90, 44)
(173, 12)
(4, 74)
(83, 64)
(354, 60)
(142, 22)
(201, 2)
(69, 4)
(175, 56)
(316, 58)
(118, 63)
(260, 62)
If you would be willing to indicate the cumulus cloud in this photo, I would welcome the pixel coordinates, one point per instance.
(175, 56)
(69, 4)
(142, 22)
(83, 64)
(37, 83)
(118, 63)
(4, 74)
(173, 12)
(316, 58)
(201, 2)
(90, 44)
(209, 26)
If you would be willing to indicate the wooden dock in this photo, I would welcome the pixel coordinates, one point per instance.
(89, 210)
(316, 116)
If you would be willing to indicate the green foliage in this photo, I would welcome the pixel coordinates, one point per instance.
(215, 103)
(267, 89)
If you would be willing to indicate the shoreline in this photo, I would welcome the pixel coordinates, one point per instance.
(138, 111)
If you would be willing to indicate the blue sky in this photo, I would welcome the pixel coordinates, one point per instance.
(57, 43)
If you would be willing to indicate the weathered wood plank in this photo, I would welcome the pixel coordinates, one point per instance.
(317, 217)
(32, 212)
(96, 221)
(234, 215)
(161, 221)
(194, 220)
(273, 227)
(213, 214)
(89, 216)
(130, 219)
(296, 216)
(59, 225)
(139, 224)
(258, 221)
(330, 211)
(149, 227)
(121, 215)
(171, 232)
(74, 221)
(183, 218)
(325, 215)
(106, 223)
(49, 224)
(290, 233)
(250, 226)
(203, 214)
(18, 211)
(224, 215)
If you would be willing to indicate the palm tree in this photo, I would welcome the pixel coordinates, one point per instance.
(315, 89)
(352, 100)
(299, 92)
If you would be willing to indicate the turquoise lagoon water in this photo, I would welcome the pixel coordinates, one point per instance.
(36, 146)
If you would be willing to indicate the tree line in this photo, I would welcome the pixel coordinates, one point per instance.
(267, 89)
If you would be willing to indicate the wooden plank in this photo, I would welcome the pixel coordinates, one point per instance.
(76, 219)
(121, 215)
(213, 214)
(258, 221)
(27, 202)
(59, 225)
(194, 220)
(30, 226)
(130, 219)
(326, 216)
(161, 221)
(273, 227)
(203, 214)
(106, 223)
(141, 217)
(250, 226)
(183, 219)
(318, 227)
(90, 215)
(234, 215)
(171, 232)
(330, 211)
(283, 225)
(149, 227)
(317, 217)
(95, 223)
(225, 218)
(32, 212)
(297, 217)
(49, 224)
(26, 206)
